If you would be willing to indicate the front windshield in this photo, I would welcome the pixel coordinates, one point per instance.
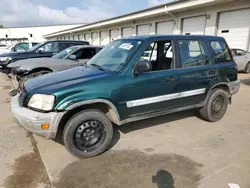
(63, 54)
(115, 55)
(35, 47)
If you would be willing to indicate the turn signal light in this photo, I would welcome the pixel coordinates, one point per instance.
(45, 126)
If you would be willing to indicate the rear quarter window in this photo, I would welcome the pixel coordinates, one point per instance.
(221, 51)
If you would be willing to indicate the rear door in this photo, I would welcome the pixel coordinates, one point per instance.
(195, 71)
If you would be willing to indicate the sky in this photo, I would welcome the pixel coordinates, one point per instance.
(15, 13)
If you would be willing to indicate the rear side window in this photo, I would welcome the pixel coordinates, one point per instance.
(192, 53)
(63, 46)
(221, 51)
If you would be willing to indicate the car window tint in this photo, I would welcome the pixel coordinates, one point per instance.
(86, 53)
(34, 43)
(50, 47)
(63, 45)
(221, 51)
(22, 46)
(160, 55)
(240, 52)
(192, 53)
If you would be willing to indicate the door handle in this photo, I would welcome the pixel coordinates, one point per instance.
(171, 78)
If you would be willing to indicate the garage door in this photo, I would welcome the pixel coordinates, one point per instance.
(94, 39)
(87, 37)
(165, 27)
(104, 39)
(234, 27)
(113, 34)
(127, 31)
(143, 29)
(194, 25)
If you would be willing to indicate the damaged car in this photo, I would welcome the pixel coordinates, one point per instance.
(71, 57)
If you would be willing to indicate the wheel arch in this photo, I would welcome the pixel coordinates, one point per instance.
(38, 69)
(223, 85)
(103, 105)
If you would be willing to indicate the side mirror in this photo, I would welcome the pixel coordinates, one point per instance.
(13, 49)
(72, 57)
(39, 51)
(142, 66)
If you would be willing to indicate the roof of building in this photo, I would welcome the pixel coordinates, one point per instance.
(143, 37)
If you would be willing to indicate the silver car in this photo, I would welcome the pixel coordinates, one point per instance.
(71, 57)
(242, 59)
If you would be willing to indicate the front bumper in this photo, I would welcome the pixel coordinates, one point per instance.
(234, 87)
(31, 120)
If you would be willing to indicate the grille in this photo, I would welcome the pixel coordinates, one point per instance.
(22, 96)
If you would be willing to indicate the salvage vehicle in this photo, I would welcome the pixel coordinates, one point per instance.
(242, 59)
(119, 86)
(44, 49)
(71, 57)
(19, 47)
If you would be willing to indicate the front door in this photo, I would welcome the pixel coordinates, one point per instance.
(152, 91)
(47, 50)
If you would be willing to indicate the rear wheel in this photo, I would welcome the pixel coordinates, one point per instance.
(88, 133)
(247, 68)
(216, 106)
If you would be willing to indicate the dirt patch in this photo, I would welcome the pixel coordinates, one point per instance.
(7, 87)
(7, 100)
(28, 171)
(245, 81)
(131, 169)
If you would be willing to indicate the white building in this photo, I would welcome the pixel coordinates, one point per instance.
(227, 18)
(36, 33)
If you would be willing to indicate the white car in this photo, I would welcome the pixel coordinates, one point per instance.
(18, 47)
(242, 59)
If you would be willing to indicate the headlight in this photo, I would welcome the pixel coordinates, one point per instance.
(42, 102)
(5, 58)
(19, 69)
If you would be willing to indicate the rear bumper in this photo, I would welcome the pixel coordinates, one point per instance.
(31, 120)
(234, 87)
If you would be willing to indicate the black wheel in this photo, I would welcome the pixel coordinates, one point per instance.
(216, 106)
(247, 68)
(88, 133)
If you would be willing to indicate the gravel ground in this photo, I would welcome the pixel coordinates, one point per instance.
(176, 150)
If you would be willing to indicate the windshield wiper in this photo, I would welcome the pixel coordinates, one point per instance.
(98, 66)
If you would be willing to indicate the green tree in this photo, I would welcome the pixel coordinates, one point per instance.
(1, 26)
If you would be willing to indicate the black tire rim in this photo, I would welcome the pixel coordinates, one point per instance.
(89, 135)
(217, 106)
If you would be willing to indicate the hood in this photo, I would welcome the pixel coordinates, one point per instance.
(2, 51)
(14, 54)
(58, 81)
(32, 63)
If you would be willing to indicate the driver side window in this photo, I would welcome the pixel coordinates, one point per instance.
(87, 53)
(50, 47)
(160, 55)
(240, 52)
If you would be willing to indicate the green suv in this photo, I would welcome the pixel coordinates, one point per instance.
(130, 79)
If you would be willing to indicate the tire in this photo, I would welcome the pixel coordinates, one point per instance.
(82, 123)
(216, 106)
(247, 68)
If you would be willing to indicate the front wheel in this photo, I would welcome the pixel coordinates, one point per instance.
(216, 106)
(88, 133)
(247, 68)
